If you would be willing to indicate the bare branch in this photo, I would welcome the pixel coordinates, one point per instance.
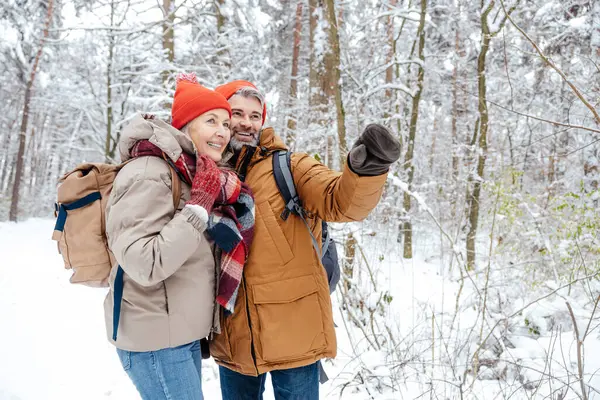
(579, 352)
(551, 64)
(585, 128)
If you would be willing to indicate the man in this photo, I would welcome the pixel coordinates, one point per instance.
(283, 321)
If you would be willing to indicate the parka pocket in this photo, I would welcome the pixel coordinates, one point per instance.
(276, 235)
(290, 319)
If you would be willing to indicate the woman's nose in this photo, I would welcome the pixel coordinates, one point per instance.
(222, 131)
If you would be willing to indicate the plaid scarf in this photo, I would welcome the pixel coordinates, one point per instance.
(185, 164)
(230, 223)
(231, 227)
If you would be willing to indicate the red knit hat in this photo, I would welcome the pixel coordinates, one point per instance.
(229, 89)
(192, 100)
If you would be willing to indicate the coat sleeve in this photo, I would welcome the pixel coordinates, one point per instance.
(335, 196)
(147, 241)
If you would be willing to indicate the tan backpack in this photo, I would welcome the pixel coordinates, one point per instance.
(80, 220)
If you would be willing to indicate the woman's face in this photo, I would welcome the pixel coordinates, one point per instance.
(210, 133)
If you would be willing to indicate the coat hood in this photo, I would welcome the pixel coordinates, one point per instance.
(170, 140)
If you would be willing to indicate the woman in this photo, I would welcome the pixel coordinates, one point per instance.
(166, 269)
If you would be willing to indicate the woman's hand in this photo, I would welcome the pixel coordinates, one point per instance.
(206, 184)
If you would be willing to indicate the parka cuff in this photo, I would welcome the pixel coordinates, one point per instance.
(196, 215)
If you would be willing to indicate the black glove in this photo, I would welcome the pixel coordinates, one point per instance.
(374, 151)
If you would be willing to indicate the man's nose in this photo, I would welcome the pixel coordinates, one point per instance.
(245, 121)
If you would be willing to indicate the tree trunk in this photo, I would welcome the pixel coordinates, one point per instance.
(222, 53)
(455, 160)
(335, 85)
(14, 206)
(408, 159)
(433, 140)
(320, 76)
(348, 265)
(108, 154)
(168, 39)
(400, 236)
(475, 195)
(595, 37)
(391, 56)
(398, 77)
(7, 163)
(292, 122)
(30, 156)
(455, 112)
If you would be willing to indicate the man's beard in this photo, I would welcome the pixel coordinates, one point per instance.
(238, 145)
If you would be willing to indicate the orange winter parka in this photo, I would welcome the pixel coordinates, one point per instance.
(283, 316)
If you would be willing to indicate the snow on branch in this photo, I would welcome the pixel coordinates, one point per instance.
(392, 86)
(380, 69)
(404, 187)
(409, 14)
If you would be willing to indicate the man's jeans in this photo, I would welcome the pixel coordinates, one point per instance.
(288, 384)
(167, 374)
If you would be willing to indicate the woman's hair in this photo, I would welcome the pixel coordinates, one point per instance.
(185, 129)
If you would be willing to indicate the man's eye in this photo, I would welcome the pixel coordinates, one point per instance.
(237, 113)
(255, 117)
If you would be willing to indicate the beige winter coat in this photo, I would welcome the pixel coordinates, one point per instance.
(169, 280)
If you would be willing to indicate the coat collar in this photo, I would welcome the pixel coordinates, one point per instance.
(249, 155)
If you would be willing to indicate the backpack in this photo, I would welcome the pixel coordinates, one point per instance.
(293, 205)
(80, 220)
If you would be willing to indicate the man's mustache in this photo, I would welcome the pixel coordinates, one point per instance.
(254, 134)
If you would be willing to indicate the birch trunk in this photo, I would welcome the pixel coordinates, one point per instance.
(14, 206)
(414, 118)
(292, 122)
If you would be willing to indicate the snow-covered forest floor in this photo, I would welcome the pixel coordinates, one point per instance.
(414, 344)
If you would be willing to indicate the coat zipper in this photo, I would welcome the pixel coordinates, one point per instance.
(217, 257)
(252, 352)
(244, 160)
(242, 169)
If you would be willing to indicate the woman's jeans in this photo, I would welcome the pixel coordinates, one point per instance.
(167, 374)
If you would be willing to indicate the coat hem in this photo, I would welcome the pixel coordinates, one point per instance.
(262, 369)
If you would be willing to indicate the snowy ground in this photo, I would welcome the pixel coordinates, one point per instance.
(53, 346)
(52, 340)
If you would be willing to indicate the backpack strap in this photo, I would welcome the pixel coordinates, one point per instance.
(118, 284)
(285, 183)
(327, 240)
(175, 187)
(61, 209)
(322, 374)
(175, 181)
(117, 299)
(282, 172)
